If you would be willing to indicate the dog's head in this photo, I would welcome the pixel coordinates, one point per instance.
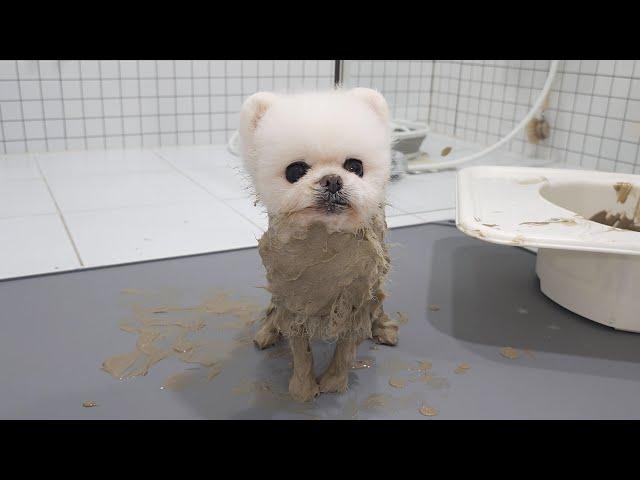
(318, 156)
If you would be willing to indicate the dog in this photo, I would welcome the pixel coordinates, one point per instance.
(320, 162)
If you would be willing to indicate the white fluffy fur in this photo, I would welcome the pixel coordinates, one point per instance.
(322, 129)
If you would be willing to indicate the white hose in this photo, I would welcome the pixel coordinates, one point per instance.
(432, 167)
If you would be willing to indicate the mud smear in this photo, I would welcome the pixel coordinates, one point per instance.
(422, 374)
(445, 151)
(423, 366)
(561, 221)
(623, 189)
(616, 220)
(462, 368)
(89, 404)
(428, 411)
(364, 362)
(518, 240)
(195, 334)
(396, 382)
(620, 220)
(532, 181)
(324, 285)
(510, 353)
(434, 307)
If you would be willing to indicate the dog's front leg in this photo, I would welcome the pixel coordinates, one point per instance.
(302, 386)
(268, 333)
(336, 377)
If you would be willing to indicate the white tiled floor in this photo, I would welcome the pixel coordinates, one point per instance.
(69, 210)
(137, 233)
(34, 244)
(34, 198)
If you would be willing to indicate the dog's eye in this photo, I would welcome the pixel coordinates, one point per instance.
(296, 171)
(354, 165)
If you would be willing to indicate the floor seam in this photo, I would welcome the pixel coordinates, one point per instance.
(60, 214)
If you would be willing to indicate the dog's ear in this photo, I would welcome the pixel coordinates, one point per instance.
(374, 99)
(253, 109)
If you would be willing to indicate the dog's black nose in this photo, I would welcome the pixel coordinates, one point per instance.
(333, 183)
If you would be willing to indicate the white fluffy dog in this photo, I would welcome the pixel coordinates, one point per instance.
(320, 163)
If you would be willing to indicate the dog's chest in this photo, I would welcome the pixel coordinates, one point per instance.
(309, 273)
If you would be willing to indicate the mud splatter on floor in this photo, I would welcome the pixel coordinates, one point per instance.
(423, 366)
(428, 411)
(89, 404)
(396, 382)
(197, 334)
(462, 368)
(434, 307)
(377, 400)
(509, 352)
(207, 335)
(365, 362)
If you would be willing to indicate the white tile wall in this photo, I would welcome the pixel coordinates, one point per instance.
(594, 106)
(77, 105)
(406, 84)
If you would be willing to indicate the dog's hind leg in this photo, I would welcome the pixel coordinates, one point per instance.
(268, 334)
(383, 329)
(302, 386)
(336, 377)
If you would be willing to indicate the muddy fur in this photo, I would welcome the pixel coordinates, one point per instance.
(324, 286)
(324, 251)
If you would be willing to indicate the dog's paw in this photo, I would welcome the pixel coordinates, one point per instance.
(385, 334)
(266, 337)
(330, 382)
(303, 390)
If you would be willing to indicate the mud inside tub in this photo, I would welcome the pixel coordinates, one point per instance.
(617, 219)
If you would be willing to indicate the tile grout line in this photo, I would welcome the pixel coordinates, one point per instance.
(64, 222)
(206, 189)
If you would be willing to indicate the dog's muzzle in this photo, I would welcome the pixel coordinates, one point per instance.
(330, 196)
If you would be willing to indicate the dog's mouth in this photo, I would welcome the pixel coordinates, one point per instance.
(329, 202)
